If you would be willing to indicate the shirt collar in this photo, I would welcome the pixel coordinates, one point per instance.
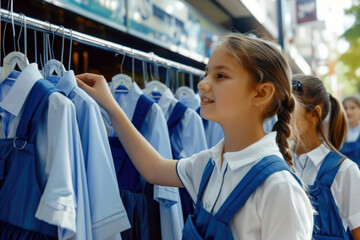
(129, 99)
(251, 154)
(67, 82)
(216, 152)
(18, 93)
(318, 154)
(166, 100)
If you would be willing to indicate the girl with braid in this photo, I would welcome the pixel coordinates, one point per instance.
(243, 187)
(332, 178)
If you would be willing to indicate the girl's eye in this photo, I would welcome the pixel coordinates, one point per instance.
(221, 75)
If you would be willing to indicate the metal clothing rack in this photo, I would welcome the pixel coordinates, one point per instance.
(46, 27)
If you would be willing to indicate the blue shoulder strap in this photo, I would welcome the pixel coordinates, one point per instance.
(329, 168)
(142, 108)
(36, 102)
(205, 178)
(175, 117)
(247, 186)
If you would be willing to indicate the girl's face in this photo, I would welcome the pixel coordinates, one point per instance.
(352, 111)
(226, 89)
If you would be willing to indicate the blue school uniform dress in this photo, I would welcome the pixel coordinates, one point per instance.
(20, 192)
(204, 225)
(162, 203)
(108, 215)
(60, 172)
(351, 147)
(277, 209)
(335, 194)
(328, 223)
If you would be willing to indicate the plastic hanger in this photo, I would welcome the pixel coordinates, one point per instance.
(55, 66)
(154, 87)
(184, 91)
(15, 58)
(121, 82)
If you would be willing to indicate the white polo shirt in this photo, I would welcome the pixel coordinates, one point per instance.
(345, 188)
(279, 209)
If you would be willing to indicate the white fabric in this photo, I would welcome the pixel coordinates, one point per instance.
(278, 209)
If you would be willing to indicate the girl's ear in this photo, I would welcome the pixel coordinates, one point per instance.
(264, 94)
(316, 114)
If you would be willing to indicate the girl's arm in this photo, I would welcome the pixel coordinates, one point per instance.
(151, 165)
(356, 233)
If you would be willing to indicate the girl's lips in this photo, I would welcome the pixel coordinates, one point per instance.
(206, 101)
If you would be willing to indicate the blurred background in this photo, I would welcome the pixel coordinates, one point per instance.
(320, 37)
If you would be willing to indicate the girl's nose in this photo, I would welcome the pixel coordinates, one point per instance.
(204, 85)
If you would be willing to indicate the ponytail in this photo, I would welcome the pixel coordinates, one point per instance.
(337, 123)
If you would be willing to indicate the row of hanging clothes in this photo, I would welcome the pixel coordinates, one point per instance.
(63, 172)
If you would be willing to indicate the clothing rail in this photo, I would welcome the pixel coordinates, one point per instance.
(46, 27)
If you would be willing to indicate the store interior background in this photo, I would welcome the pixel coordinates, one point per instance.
(309, 45)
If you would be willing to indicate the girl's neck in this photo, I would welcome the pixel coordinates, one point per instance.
(237, 139)
(307, 145)
(354, 124)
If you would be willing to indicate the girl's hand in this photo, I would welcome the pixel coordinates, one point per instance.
(96, 86)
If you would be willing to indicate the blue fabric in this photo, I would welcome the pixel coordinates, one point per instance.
(137, 195)
(155, 131)
(213, 131)
(205, 225)
(20, 191)
(352, 150)
(327, 223)
(60, 169)
(176, 115)
(105, 203)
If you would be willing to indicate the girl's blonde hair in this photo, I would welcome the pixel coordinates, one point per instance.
(265, 63)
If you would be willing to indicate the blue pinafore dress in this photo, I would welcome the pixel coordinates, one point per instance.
(20, 187)
(327, 223)
(205, 225)
(174, 119)
(137, 194)
(352, 150)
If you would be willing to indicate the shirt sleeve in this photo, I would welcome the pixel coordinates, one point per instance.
(284, 209)
(59, 150)
(190, 171)
(108, 215)
(155, 132)
(192, 134)
(346, 192)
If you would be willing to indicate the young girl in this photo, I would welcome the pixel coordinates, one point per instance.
(333, 180)
(351, 147)
(242, 186)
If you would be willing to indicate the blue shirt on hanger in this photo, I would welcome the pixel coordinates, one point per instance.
(189, 137)
(213, 130)
(154, 129)
(108, 215)
(61, 171)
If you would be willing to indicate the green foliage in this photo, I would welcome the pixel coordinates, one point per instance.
(351, 58)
